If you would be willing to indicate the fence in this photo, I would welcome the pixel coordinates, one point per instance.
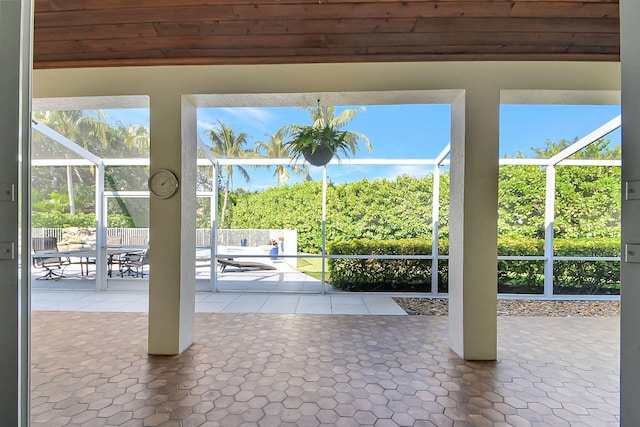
(226, 237)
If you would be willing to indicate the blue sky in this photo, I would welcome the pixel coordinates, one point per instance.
(395, 131)
(403, 131)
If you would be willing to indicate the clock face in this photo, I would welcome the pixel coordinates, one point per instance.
(163, 183)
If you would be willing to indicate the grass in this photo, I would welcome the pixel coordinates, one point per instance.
(313, 267)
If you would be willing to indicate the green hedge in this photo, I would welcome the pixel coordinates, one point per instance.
(63, 220)
(381, 274)
(514, 276)
(569, 277)
(587, 277)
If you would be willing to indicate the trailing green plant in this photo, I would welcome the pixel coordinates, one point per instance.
(310, 140)
(323, 138)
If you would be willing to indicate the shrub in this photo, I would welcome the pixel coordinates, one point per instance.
(514, 276)
(63, 220)
(587, 277)
(520, 276)
(370, 274)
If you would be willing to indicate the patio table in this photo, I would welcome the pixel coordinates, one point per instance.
(86, 255)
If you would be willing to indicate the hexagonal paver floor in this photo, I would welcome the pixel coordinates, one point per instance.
(91, 369)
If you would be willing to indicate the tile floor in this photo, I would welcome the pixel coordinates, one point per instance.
(284, 290)
(284, 279)
(257, 369)
(218, 302)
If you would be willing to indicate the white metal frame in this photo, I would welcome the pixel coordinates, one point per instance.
(97, 162)
(560, 159)
(213, 213)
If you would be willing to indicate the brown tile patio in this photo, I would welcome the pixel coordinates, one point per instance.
(91, 369)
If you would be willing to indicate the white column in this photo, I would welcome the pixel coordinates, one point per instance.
(435, 224)
(630, 271)
(172, 234)
(435, 219)
(15, 127)
(473, 225)
(101, 230)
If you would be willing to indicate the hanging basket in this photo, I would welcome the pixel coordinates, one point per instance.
(320, 157)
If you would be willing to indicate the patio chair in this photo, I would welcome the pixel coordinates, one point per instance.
(113, 259)
(132, 263)
(137, 241)
(114, 240)
(50, 262)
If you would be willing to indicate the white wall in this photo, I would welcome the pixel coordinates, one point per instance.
(630, 272)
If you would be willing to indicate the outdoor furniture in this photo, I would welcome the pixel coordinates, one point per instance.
(243, 265)
(113, 256)
(114, 240)
(44, 256)
(132, 263)
(137, 241)
(86, 258)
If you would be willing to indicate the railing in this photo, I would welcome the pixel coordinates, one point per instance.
(226, 237)
(262, 237)
(47, 232)
(128, 236)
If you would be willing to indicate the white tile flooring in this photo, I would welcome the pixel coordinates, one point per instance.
(284, 290)
(217, 302)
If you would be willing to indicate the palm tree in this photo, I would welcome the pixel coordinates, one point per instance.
(275, 148)
(137, 139)
(227, 144)
(84, 127)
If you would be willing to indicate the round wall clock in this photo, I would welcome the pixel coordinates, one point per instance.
(163, 183)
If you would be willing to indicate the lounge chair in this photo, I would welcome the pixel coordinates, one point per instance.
(50, 262)
(243, 265)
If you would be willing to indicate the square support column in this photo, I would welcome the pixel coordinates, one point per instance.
(473, 225)
(172, 235)
(630, 268)
(15, 127)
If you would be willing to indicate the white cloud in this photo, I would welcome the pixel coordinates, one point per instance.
(372, 173)
(255, 117)
(254, 121)
(418, 171)
(206, 125)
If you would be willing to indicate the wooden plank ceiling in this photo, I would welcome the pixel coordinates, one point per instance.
(88, 33)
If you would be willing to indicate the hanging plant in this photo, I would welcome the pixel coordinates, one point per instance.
(323, 140)
(318, 145)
